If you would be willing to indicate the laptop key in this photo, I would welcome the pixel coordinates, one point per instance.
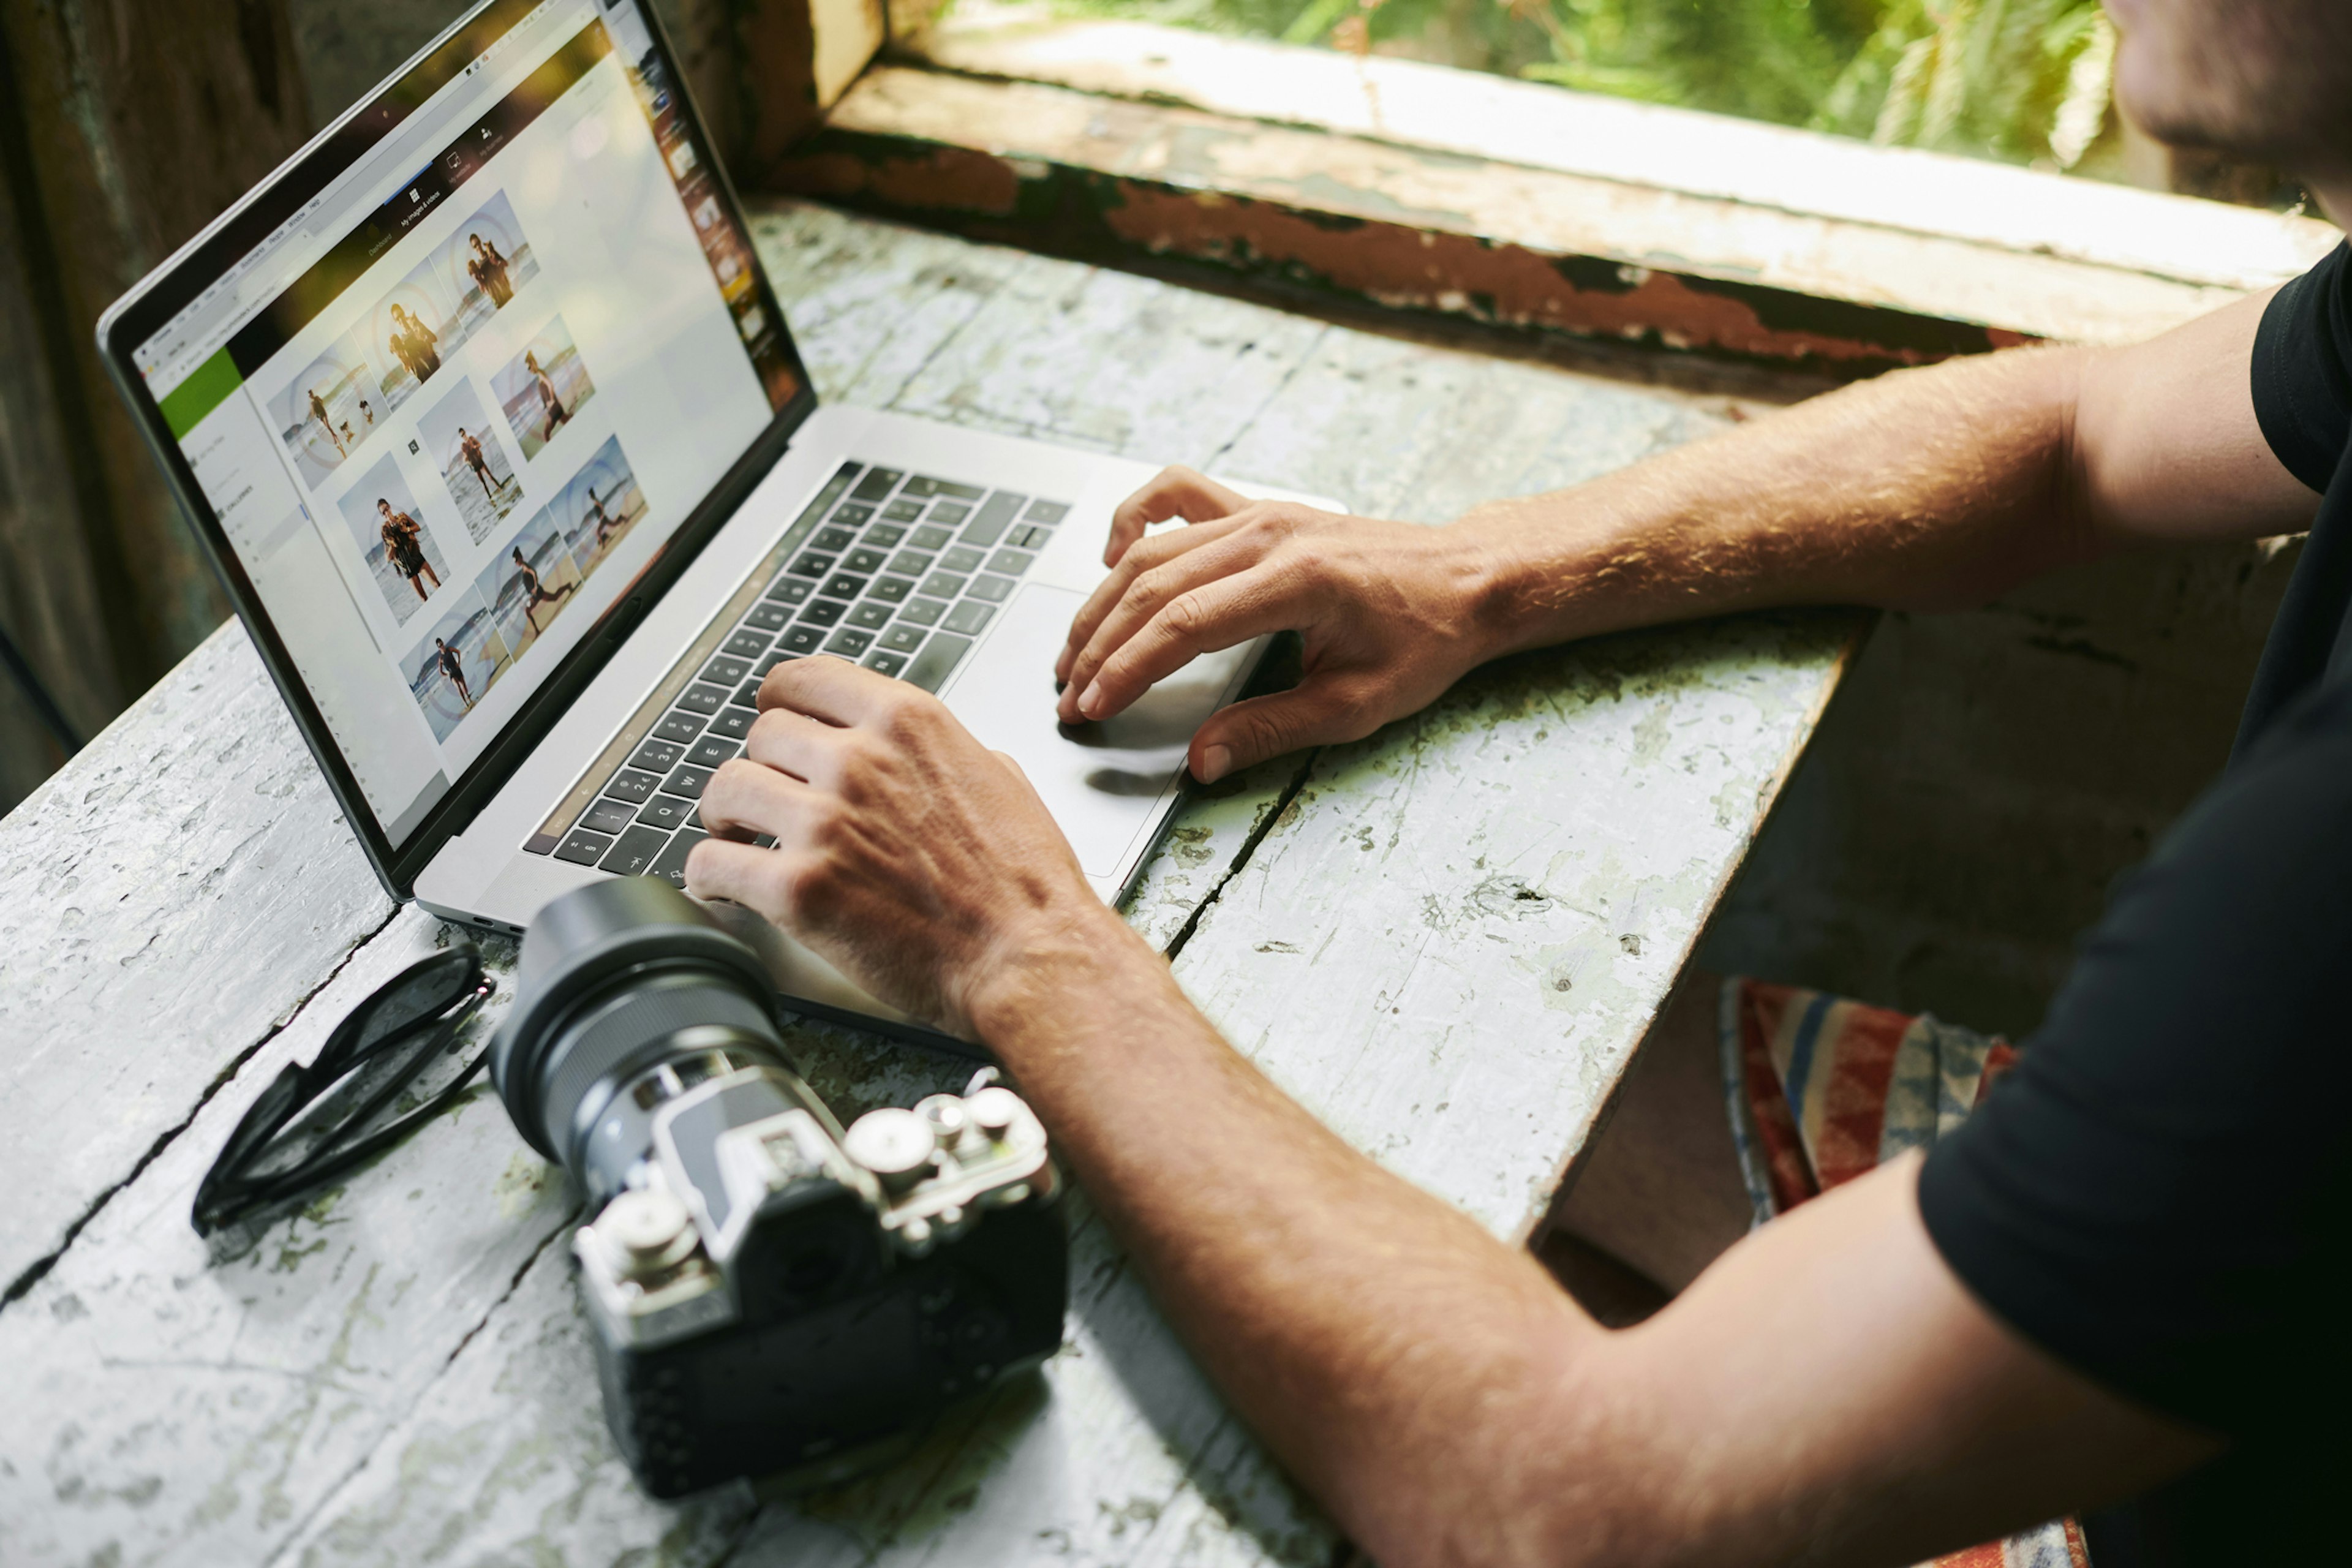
(845, 586)
(890, 590)
(853, 516)
(760, 671)
(992, 590)
(970, 616)
(912, 563)
(679, 725)
(993, 518)
(903, 511)
(930, 537)
(671, 865)
(789, 590)
(888, 664)
(582, 848)
(902, 638)
(964, 558)
(821, 612)
(687, 780)
(949, 513)
(813, 563)
(943, 584)
(634, 787)
(931, 667)
(924, 485)
(922, 611)
(734, 723)
(747, 696)
(606, 815)
(849, 644)
(702, 700)
(884, 535)
(1047, 511)
(866, 561)
(656, 756)
(726, 669)
(710, 751)
(877, 483)
(869, 615)
(666, 812)
(834, 539)
(1028, 537)
(633, 853)
(1011, 563)
(767, 617)
(748, 644)
(801, 639)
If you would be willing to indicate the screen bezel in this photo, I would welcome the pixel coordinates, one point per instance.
(161, 296)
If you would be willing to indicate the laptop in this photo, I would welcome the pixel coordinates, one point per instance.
(485, 411)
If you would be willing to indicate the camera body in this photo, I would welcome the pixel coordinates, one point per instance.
(768, 1293)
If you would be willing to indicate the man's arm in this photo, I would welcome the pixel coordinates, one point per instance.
(1922, 489)
(1826, 1392)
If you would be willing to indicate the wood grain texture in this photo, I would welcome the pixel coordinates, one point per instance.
(400, 1371)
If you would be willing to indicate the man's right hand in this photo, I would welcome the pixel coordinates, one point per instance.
(1391, 613)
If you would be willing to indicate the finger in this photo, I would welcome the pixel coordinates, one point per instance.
(1247, 733)
(760, 879)
(1149, 555)
(745, 797)
(832, 688)
(1173, 492)
(1201, 620)
(792, 743)
(1147, 597)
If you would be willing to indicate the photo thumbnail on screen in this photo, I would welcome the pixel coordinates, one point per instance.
(485, 260)
(402, 557)
(457, 435)
(542, 387)
(326, 413)
(531, 582)
(600, 505)
(455, 663)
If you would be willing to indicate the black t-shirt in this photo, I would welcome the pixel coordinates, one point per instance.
(2160, 1194)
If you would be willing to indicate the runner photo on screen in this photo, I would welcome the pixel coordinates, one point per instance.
(455, 433)
(529, 584)
(455, 665)
(600, 505)
(542, 388)
(484, 261)
(412, 329)
(401, 556)
(321, 414)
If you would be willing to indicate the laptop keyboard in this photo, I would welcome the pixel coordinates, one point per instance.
(900, 573)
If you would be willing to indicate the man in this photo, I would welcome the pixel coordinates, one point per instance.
(2114, 1281)
(403, 538)
(489, 270)
(367, 415)
(414, 343)
(470, 447)
(550, 406)
(455, 669)
(318, 413)
(535, 593)
(606, 522)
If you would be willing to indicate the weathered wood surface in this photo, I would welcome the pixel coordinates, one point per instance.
(1446, 940)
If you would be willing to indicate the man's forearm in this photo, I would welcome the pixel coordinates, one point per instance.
(1924, 489)
(1390, 1351)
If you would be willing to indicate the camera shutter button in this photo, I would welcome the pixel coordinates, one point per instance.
(896, 1145)
(993, 1110)
(646, 1232)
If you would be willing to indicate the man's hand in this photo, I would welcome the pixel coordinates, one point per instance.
(914, 859)
(1391, 614)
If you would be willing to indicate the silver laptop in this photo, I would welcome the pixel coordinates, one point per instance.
(488, 415)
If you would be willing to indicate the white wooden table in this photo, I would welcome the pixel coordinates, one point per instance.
(1446, 940)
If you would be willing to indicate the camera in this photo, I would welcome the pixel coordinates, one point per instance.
(770, 1294)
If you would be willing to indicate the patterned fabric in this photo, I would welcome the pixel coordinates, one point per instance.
(1820, 1089)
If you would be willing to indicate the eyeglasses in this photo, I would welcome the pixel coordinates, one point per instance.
(315, 1123)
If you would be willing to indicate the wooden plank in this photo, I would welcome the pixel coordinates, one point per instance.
(401, 1369)
(1645, 145)
(1095, 177)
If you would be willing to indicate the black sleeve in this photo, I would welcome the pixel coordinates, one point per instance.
(2303, 371)
(2157, 1194)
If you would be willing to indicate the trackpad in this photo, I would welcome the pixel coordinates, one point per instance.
(1106, 784)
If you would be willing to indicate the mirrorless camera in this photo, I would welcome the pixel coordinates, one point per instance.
(769, 1294)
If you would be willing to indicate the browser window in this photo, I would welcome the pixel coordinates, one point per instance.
(460, 399)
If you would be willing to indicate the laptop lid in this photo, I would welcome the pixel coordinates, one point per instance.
(455, 394)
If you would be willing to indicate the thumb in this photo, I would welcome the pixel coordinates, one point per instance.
(1249, 732)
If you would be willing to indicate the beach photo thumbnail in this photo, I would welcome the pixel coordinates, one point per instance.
(412, 329)
(456, 437)
(600, 505)
(529, 583)
(402, 557)
(485, 261)
(455, 663)
(541, 388)
(326, 413)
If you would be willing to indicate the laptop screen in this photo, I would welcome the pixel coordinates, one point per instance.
(467, 390)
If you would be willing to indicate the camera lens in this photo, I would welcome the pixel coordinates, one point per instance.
(628, 994)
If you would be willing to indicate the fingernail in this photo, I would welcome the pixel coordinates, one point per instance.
(1092, 698)
(1215, 763)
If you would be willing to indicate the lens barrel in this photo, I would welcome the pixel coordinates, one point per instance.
(618, 979)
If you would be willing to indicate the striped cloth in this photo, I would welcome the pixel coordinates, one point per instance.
(1820, 1089)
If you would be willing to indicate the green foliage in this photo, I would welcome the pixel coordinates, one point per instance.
(2024, 81)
